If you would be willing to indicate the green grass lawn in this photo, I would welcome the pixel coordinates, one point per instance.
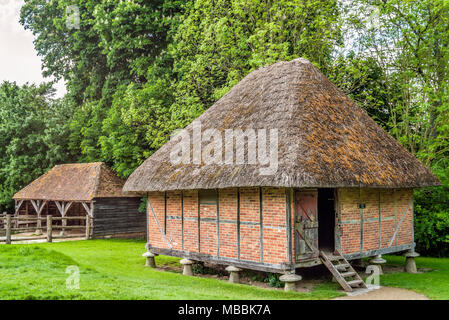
(433, 284)
(114, 269)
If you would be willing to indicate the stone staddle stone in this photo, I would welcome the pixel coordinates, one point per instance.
(378, 261)
(150, 262)
(410, 264)
(290, 281)
(187, 271)
(234, 276)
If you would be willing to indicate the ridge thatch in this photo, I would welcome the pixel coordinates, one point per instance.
(325, 139)
(74, 182)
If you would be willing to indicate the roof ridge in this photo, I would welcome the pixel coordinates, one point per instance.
(97, 182)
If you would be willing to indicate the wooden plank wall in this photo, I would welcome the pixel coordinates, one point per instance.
(117, 216)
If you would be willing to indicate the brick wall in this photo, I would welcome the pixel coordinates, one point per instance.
(389, 205)
(273, 249)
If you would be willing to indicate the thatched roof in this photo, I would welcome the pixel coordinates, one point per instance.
(74, 182)
(325, 139)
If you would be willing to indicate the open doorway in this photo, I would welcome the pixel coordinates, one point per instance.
(326, 219)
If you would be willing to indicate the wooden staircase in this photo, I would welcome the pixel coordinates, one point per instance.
(343, 272)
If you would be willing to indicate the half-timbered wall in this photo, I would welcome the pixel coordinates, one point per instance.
(249, 226)
(384, 222)
(246, 225)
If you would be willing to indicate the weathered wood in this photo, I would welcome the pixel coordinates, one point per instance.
(119, 216)
(266, 267)
(87, 235)
(18, 204)
(399, 224)
(342, 271)
(38, 206)
(288, 206)
(238, 223)
(182, 216)
(49, 229)
(87, 208)
(371, 253)
(261, 222)
(218, 223)
(26, 238)
(306, 223)
(8, 229)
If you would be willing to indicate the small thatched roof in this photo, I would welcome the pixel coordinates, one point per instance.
(74, 182)
(325, 139)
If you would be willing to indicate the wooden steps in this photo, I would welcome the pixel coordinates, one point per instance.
(342, 271)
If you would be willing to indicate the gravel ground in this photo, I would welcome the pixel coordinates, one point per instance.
(385, 293)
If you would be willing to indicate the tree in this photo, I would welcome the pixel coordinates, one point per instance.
(33, 133)
(220, 42)
(410, 42)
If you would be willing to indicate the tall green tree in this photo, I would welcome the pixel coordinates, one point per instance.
(221, 41)
(409, 40)
(114, 45)
(34, 130)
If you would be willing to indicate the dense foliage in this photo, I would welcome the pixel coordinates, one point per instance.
(33, 135)
(136, 70)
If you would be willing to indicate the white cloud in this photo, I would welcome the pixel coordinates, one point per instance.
(19, 61)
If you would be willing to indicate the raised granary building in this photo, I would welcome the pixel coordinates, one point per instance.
(340, 188)
(84, 189)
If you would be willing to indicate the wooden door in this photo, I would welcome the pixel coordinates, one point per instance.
(306, 224)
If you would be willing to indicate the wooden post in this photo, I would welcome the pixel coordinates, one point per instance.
(87, 227)
(49, 229)
(8, 229)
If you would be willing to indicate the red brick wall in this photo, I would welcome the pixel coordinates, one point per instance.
(390, 204)
(228, 229)
(274, 224)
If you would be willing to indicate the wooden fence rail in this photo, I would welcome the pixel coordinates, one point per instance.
(7, 221)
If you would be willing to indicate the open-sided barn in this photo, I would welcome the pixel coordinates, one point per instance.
(343, 188)
(80, 189)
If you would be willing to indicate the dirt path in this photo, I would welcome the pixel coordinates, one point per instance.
(386, 293)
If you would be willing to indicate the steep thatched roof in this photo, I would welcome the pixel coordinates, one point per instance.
(74, 182)
(325, 139)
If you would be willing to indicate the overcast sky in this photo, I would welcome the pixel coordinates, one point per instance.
(19, 61)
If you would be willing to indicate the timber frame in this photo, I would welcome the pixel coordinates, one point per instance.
(62, 208)
(291, 262)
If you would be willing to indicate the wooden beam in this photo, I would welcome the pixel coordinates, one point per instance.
(266, 267)
(261, 223)
(158, 224)
(238, 223)
(288, 206)
(218, 223)
(199, 223)
(87, 208)
(380, 222)
(165, 211)
(182, 216)
(38, 206)
(361, 221)
(18, 205)
(400, 222)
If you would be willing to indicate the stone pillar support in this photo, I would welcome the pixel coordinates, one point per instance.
(410, 264)
(150, 262)
(290, 281)
(378, 261)
(187, 271)
(234, 274)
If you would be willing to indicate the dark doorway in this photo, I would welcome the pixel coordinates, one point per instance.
(326, 219)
